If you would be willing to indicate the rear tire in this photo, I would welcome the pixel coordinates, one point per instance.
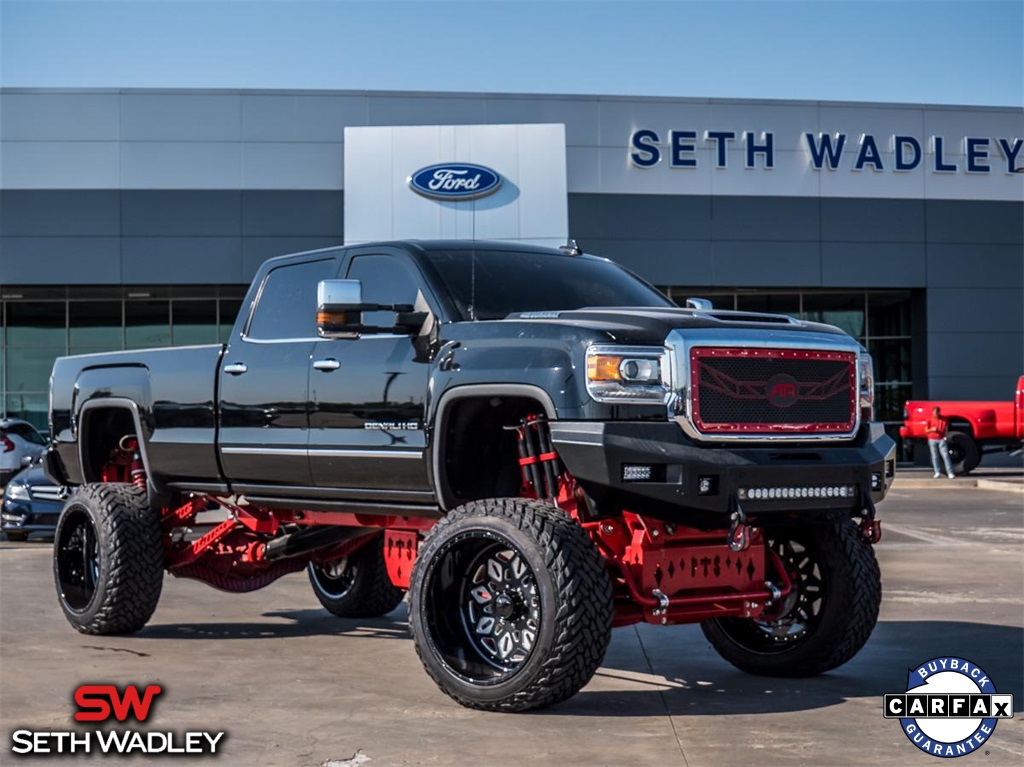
(964, 453)
(827, 617)
(511, 605)
(356, 586)
(108, 561)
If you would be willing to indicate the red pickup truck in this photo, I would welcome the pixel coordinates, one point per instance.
(974, 427)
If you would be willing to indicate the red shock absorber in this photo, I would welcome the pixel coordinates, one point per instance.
(137, 470)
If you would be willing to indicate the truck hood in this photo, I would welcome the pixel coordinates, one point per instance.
(646, 325)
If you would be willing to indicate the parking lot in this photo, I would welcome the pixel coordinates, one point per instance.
(292, 685)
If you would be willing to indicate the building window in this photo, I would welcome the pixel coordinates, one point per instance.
(39, 324)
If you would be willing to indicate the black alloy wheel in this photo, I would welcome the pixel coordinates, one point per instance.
(356, 586)
(77, 559)
(500, 606)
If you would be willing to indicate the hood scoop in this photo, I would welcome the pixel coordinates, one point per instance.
(746, 317)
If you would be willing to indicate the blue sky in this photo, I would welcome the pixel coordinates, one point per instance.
(922, 51)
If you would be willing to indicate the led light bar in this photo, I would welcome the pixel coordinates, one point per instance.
(796, 493)
(637, 472)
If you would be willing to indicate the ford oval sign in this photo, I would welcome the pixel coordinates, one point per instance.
(455, 181)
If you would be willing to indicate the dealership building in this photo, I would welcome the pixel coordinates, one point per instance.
(132, 218)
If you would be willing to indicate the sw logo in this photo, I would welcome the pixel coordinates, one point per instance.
(950, 707)
(96, 702)
(105, 703)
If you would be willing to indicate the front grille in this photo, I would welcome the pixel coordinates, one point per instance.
(46, 493)
(773, 391)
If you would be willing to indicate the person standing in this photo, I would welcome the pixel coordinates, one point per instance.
(935, 430)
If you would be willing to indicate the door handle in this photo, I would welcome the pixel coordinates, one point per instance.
(327, 365)
(236, 368)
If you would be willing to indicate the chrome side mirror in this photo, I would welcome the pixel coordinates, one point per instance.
(339, 311)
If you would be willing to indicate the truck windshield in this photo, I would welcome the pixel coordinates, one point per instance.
(491, 284)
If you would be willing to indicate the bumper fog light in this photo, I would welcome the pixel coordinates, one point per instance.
(707, 486)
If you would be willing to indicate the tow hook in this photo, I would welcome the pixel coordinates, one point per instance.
(662, 607)
(870, 528)
(774, 591)
(739, 531)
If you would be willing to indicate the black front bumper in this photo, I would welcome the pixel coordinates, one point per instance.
(696, 484)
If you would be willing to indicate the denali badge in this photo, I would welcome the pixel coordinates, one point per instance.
(781, 390)
(455, 181)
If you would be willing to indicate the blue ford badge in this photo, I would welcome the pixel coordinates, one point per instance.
(455, 181)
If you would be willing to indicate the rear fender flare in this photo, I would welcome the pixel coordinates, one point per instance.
(113, 403)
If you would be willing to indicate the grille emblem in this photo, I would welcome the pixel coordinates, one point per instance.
(781, 390)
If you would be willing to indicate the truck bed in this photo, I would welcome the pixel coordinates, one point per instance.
(173, 397)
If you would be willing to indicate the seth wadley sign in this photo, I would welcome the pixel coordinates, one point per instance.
(826, 151)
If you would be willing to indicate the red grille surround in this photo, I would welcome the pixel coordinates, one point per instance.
(811, 391)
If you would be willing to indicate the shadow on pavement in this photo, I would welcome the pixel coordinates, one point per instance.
(686, 683)
(880, 668)
(311, 622)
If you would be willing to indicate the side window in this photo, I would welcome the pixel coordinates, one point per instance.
(287, 304)
(386, 280)
(27, 433)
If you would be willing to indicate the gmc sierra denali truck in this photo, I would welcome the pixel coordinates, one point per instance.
(534, 443)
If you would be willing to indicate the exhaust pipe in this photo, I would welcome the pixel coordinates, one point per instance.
(313, 538)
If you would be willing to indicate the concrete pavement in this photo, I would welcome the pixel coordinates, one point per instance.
(293, 685)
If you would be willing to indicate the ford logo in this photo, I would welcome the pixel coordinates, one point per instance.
(455, 181)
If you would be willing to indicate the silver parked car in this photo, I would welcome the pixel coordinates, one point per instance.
(20, 444)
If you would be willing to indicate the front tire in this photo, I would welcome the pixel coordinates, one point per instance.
(511, 605)
(16, 537)
(108, 559)
(356, 586)
(826, 618)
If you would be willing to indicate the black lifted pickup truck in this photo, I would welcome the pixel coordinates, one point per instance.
(534, 443)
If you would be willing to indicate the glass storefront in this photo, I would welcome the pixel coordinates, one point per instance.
(37, 325)
(879, 319)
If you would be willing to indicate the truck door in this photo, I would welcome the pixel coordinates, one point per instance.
(367, 396)
(264, 379)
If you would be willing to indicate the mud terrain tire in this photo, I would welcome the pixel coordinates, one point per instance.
(108, 562)
(511, 605)
(828, 617)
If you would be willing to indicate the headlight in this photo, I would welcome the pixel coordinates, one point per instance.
(627, 374)
(867, 385)
(17, 493)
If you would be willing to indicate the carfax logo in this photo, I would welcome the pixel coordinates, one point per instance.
(950, 707)
(102, 703)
